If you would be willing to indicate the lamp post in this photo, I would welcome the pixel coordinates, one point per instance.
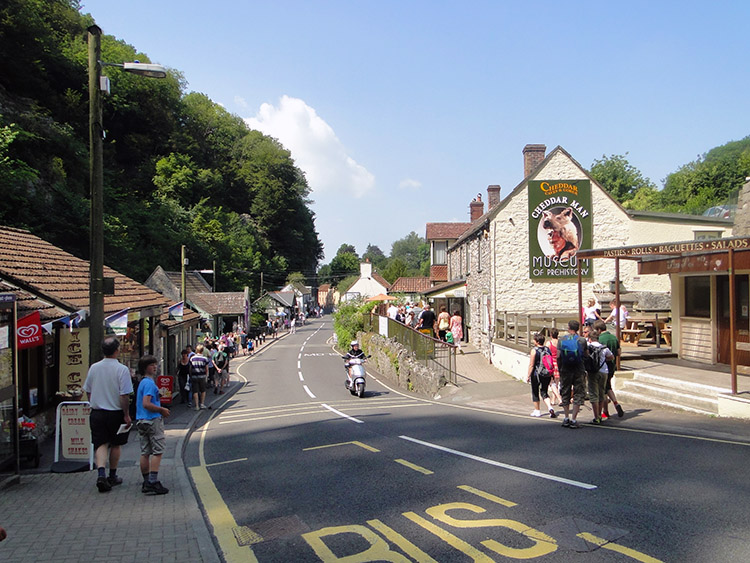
(96, 182)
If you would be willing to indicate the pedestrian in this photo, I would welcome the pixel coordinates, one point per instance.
(539, 375)
(292, 325)
(443, 323)
(570, 353)
(596, 370)
(610, 341)
(456, 327)
(150, 424)
(221, 364)
(108, 386)
(198, 377)
(243, 341)
(612, 318)
(427, 320)
(250, 346)
(183, 376)
(392, 311)
(554, 384)
(591, 313)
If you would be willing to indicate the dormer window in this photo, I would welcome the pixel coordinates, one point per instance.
(439, 252)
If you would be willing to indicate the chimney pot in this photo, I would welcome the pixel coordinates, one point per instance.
(533, 155)
(493, 196)
(476, 209)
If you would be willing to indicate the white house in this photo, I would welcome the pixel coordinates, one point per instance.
(368, 285)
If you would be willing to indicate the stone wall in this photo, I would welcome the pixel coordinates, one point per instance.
(395, 363)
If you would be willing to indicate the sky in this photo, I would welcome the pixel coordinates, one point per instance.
(401, 112)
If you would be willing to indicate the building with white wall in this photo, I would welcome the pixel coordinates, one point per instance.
(520, 256)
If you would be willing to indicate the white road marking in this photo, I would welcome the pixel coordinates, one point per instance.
(300, 376)
(503, 465)
(309, 392)
(342, 414)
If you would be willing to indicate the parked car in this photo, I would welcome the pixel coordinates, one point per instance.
(720, 211)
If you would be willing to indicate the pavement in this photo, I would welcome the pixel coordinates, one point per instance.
(63, 518)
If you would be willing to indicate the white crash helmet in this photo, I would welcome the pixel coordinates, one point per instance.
(354, 343)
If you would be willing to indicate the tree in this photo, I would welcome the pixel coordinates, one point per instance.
(374, 255)
(343, 265)
(346, 248)
(411, 250)
(710, 180)
(396, 268)
(295, 277)
(621, 179)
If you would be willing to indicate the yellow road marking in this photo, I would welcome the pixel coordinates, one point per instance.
(487, 496)
(220, 517)
(450, 539)
(269, 417)
(413, 466)
(225, 462)
(217, 511)
(604, 544)
(409, 548)
(355, 442)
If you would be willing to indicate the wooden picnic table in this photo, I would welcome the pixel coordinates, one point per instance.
(651, 324)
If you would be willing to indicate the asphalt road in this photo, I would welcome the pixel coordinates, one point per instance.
(294, 468)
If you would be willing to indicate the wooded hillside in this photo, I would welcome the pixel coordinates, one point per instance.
(178, 168)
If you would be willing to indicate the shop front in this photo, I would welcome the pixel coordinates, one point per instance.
(452, 296)
(9, 439)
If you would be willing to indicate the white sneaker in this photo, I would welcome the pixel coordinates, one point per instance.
(202, 406)
(536, 413)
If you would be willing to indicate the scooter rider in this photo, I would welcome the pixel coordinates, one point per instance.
(354, 352)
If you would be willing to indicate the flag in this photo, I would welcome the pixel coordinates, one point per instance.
(176, 311)
(118, 323)
(29, 331)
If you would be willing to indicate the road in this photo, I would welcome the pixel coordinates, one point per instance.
(294, 468)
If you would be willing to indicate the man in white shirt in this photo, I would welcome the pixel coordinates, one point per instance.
(108, 386)
(392, 310)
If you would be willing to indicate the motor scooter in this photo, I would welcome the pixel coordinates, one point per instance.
(354, 368)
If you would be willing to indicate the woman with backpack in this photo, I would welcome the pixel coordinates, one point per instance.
(541, 369)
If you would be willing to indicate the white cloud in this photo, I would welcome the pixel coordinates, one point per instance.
(410, 184)
(240, 101)
(314, 146)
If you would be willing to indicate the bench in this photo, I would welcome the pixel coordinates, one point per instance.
(666, 333)
(632, 335)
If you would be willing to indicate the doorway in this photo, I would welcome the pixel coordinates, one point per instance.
(741, 319)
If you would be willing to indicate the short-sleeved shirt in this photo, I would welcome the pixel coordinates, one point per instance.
(428, 318)
(198, 365)
(106, 381)
(610, 341)
(147, 387)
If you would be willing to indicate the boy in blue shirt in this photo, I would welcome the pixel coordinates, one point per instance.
(150, 425)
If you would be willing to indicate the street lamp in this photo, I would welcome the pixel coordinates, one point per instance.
(96, 181)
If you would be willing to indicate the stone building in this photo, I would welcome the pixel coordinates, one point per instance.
(520, 256)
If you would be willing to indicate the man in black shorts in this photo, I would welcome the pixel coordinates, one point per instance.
(108, 386)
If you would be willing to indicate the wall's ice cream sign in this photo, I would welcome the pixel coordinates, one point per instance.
(559, 226)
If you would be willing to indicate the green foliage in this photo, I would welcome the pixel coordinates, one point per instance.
(344, 265)
(296, 277)
(346, 248)
(349, 320)
(412, 249)
(621, 179)
(375, 256)
(395, 269)
(179, 169)
(710, 180)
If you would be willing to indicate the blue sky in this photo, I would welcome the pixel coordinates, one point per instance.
(400, 112)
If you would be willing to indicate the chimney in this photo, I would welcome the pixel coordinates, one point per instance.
(365, 270)
(493, 196)
(532, 156)
(476, 208)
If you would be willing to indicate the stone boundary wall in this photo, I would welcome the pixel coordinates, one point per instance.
(395, 363)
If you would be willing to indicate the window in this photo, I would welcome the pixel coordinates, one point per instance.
(439, 251)
(479, 254)
(706, 235)
(698, 296)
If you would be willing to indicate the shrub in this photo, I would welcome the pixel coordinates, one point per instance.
(349, 320)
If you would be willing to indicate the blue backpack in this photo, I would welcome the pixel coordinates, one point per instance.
(570, 354)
